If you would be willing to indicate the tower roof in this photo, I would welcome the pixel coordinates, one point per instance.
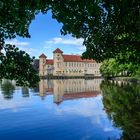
(42, 56)
(57, 51)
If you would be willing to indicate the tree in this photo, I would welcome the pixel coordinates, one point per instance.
(120, 65)
(15, 18)
(109, 68)
(18, 65)
(107, 27)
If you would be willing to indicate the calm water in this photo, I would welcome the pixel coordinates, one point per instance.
(73, 109)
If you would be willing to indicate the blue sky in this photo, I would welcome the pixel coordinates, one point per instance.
(46, 37)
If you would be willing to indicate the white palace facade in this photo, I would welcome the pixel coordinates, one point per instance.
(67, 65)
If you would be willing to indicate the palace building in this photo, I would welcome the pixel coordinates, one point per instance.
(67, 65)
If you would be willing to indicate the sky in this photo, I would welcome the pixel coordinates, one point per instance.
(46, 37)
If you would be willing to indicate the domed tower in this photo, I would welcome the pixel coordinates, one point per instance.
(58, 61)
(42, 64)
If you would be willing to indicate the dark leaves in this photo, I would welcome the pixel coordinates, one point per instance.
(17, 65)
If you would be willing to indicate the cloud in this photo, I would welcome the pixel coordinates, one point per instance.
(29, 50)
(59, 41)
(69, 41)
(106, 129)
(46, 46)
(82, 48)
(17, 42)
(90, 108)
(23, 46)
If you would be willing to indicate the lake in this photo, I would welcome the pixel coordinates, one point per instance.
(70, 109)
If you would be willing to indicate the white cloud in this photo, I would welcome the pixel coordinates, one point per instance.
(82, 48)
(57, 41)
(17, 42)
(29, 50)
(46, 46)
(24, 46)
(106, 129)
(69, 41)
(90, 108)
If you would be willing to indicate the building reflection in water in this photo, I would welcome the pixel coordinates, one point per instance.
(68, 89)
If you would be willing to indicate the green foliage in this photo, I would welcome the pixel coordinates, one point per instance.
(109, 68)
(121, 102)
(109, 28)
(15, 18)
(120, 66)
(18, 65)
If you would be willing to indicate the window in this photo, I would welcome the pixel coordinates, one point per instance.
(58, 64)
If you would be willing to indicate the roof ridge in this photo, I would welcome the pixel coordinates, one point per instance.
(42, 56)
(57, 51)
(75, 58)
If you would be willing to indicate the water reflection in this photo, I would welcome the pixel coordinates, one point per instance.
(69, 89)
(25, 92)
(122, 104)
(7, 88)
(32, 118)
(61, 90)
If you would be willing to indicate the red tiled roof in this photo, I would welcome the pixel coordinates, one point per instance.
(57, 51)
(49, 61)
(42, 56)
(70, 96)
(76, 58)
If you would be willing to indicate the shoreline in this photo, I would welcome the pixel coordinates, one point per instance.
(127, 79)
(70, 77)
